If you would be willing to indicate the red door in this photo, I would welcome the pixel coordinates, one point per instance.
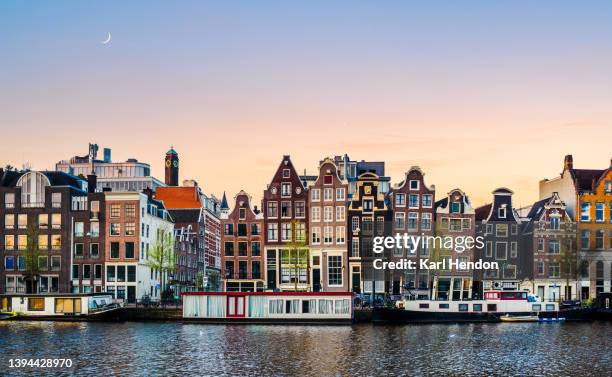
(236, 306)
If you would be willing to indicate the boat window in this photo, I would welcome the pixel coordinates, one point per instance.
(305, 306)
(536, 307)
(276, 306)
(292, 306)
(6, 304)
(68, 305)
(477, 307)
(550, 306)
(443, 306)
(463, 307)
(326, 306)
(36, 304)
(491, 307)
(423, 306)
(524, 295)
(342, 306)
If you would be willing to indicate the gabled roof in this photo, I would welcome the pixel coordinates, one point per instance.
(482, 212)
(179, 197)
(584, 178)
(537, 207)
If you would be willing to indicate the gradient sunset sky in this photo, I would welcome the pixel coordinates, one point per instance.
(480, 94)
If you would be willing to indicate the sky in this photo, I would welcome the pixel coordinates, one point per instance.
(479, 94)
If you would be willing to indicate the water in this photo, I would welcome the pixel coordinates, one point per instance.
(146, 349)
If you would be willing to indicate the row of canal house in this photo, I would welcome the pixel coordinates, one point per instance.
(315, 233)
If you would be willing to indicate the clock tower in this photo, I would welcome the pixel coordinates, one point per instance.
(171, 164)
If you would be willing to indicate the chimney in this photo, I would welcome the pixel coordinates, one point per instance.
(92, 183)
(568, 163)
(255, 210)
(148, 192)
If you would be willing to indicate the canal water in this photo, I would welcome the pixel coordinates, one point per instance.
(147, 349)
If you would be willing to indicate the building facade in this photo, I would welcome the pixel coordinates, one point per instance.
(37, 206)
(454, 217)
(588, 196)
(412, 206)
(501, 227)
(242, 240)
(327, 206)
(286, 225)
(368, 215)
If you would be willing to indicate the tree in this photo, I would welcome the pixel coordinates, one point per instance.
(30, 256)
(199, 280)
(162, 258)
(298, 254)
(569, 263)
(438, 252)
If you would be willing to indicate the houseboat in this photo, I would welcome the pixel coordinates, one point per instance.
(494, 305)
(59, 307)
(268, 307)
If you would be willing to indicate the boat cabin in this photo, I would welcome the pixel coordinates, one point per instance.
(48, 305)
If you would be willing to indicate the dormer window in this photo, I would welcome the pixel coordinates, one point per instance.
(555, 223)
(414, 184)
(286, 173)
(455, 207)
(33, 189)
(501, 212)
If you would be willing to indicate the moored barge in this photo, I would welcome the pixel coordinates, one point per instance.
(59, 307)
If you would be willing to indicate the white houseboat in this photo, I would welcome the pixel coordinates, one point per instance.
(495, 305)
(268, 307)
(70, 307)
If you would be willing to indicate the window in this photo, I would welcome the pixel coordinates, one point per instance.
(513, 250)
(501, 212)
(328, 237)
(540, 268)
(36, 304)
(273, 232)
(255, 270)
(316, 235)
(340, 235)
(120, 273)
(229, 248)
(328, 179)
(540, 244)
(22, 242)
(355, 248)
(426, 221)
(328, 194)
(131, 274)
(9, 200)
(115, 210)
(315, 195)
(400, 200)
(599, 239)
(509, 271)
(56, 200)
(87, 271)
(413, 201)
(285, 209)
(554, 223)
(286, 232)
(585, 212)
(255, 229)
(340, 194)
(286, 173)
(413, 219)
(316, 214)
(9, 221)
(585, 239)
(455, 225)
(22, 221)
(400, 220)
(56, 262)
(300, 232)
(130, 210)
(455, 207)
(9, 263)
(463, 307)
(501, 230)
(334, 270)
(79, 229)
(130, 229)
(94, 229)
(43, 221)
(94, 250)
(115, 229)
(21, 263)
(328, 214)
(78, 250)
(477, 307)
(129, 250)
(255, 249)
(599, 212)
(43, 241)
(368, 205)
(354, 223)
(285, 189)
(114, 250)
(229, 229)
(300, 210)
(272, 209)
(380, 225)
(553, 269)
(9, 242)
(242, 213)
(340, 213)
(501, 250)
(414, 185)
(242, 249)
(553, 246)
(427, 200)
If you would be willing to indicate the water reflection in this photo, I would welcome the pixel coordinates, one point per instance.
(145, 349)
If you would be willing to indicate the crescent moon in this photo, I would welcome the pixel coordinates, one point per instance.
(108, 39)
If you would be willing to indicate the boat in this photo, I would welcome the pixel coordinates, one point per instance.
(268, 307)
(519, 318)
(494, 305)
(60, 307)
(7, 315)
